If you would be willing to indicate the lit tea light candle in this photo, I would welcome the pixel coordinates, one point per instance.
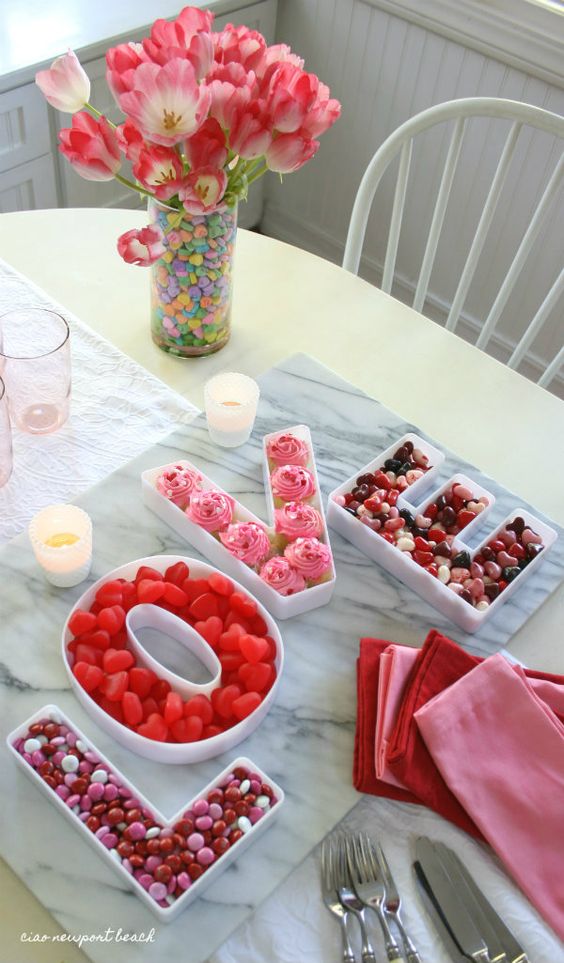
(231, 405)
(61, 537)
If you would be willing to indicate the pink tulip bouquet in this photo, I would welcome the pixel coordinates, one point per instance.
(206, 114)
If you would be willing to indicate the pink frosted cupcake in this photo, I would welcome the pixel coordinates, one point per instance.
(247, 541)
(296, 520)
(211, 510)
(310, 557)
(177, 484)
(292, 483)
(279, 574)
(287, 450)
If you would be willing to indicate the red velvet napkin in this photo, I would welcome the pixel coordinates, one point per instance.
(441, 663)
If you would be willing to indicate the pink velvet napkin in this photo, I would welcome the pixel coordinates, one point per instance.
(500, 748)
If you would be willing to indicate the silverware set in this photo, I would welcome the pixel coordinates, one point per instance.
(355, 877)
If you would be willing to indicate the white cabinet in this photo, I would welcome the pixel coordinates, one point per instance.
(27, 171)
(28, 186)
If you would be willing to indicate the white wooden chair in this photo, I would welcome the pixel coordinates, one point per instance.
(401, 142)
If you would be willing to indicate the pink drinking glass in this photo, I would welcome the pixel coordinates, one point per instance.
(36, 367)
(5, 437)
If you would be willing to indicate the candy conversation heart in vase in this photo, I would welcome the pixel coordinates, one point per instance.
(287, 564)
(160, 714)
(167, 863)
(426, 543)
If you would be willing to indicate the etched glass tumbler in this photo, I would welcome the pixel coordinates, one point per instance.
(5, 437)
(35, 364)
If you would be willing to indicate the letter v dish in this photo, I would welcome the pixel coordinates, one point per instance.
(298, 557)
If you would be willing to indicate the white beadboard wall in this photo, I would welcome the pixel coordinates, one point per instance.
(384, 69)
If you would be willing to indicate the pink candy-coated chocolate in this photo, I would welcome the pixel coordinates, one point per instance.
(286, 449)
(212, 510)
(282, 576)
(292, 483)
(296, 520)
(177, 484)
(310, 557)
(247, 541)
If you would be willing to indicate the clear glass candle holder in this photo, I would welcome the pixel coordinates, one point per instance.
(35, 364)
(61, 537)
(231, 405)
(5, 437)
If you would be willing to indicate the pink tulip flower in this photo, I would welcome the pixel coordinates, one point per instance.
(250, 134)
(291, 95)
(188, 37)
(207, 147)
(65, 85)
(322, 115)
(121, 64)
(92, 147)
(166, 103)
(130, 140)
(159, 169)
(288, 152)
(239, 45)
(202, 190)
(142, 247)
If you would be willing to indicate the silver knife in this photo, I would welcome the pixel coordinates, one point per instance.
(442, 929)
(459, 880)
(457, 917)
(497, 935)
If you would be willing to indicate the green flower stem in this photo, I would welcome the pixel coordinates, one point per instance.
(255, 176)
(134, 187)
(98, 113)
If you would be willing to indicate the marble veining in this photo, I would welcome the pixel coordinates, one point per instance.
(305, 742)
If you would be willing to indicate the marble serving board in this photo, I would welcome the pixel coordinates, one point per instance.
(305, 742)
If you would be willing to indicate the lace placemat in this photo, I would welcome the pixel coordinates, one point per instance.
(117, 410)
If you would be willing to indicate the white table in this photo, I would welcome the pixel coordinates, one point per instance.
(285, 301)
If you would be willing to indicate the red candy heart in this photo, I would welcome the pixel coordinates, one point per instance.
(174, 708)
(210, 630)
(111, 593)
(81, 622)
(177, 573)
(141, 681)
(116, 660)
(204, 606)
(244, 605)
(465, 517)
(88, 654)
(145, 571)
(89, 676)
(229, 641)
(174, 595)
(256, 677)
(188, 729)
(199, 705)
(132, 708)
(114, 686)
(221, 584)
(245, 705)
(150, 590)
(223, 699)
(253, 648)
(154, 728)
(111, 619)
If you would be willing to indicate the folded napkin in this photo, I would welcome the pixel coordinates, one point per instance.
(396, 664)
(367, 674)
(439, 664)
(500, 748)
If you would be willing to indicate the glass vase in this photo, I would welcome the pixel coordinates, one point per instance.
(191, 284)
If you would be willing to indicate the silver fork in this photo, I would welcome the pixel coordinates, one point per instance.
(370, 889)
(331, 896)
(349, 899)
(392, 904)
